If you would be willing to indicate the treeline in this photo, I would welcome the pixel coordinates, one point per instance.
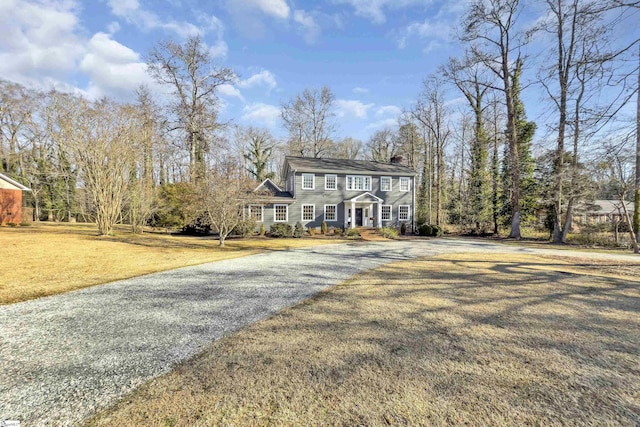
(482, 163)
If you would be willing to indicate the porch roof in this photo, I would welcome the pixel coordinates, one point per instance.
(365, 197)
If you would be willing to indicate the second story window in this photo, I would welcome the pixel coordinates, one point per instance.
(405, 183)
(308, 181)
(357, 182)
(330, 182)
(385, 183)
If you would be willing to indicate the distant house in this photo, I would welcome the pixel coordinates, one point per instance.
(10, 200)
(601, 212)
(343, 193)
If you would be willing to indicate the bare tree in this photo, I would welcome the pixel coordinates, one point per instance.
(146, 141)
(15, 114)
(221, 198)
(347, 148)
(470, 78)
(98, 138)
(578, 57)
(187, 69)
(382, 146)
(309, 119)
(636, 198)
(619, 164)
(431, 111)
(491, 28)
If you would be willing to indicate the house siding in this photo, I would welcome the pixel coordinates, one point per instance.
(320, 197)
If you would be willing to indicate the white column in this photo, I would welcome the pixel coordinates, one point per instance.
(370, 215)
(353, 214)
(379, 221)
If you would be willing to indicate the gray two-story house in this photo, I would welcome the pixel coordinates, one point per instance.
(343, 193)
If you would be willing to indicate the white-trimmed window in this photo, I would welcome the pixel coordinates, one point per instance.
(330, 212)
(358, 182)
(330, 182)
(403, 213)
(280, 213)
(386, 212)
(308, 212)
(405, 183)
(256, 212)
(385, 183)
(308, 181)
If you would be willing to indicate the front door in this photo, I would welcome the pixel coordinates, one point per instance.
(358, 217)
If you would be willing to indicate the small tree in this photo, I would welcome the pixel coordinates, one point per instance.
(618, 166)
(220, 199)
(298, 230)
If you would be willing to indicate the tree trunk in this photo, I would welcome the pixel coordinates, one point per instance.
(568, 221)
(634, 242)
(636, 201)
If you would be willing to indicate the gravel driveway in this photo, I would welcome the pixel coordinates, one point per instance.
(64, 357)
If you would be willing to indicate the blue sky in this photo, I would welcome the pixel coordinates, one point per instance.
(373, 54)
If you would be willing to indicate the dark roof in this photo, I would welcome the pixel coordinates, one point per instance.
(604, 207)
(273, 192)
(309, 164)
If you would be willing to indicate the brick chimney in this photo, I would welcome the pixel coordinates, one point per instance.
(396, 160)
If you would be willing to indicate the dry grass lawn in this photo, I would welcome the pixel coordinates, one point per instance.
(509, 340)
(47, 259)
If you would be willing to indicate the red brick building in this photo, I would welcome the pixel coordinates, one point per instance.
(10, 200)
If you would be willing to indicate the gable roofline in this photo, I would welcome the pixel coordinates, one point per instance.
(345, 166)
(14, 183)
(264, 182)
(355, 199)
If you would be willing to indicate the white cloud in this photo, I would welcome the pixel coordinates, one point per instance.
(360, 90)
(123, 7)
(387, 118)
(263, 78)
(435, 33)
(249, 16)
(383, 124)
(375, 9)
(230, 91)
(113, 69)
(307, 25)
(353, 108)
(113, 27)
(274, 8)
(436, 30)
(429, 29)
(261, 114)
(131, 12)
(388, 110)
(219, 49)
(39, 42)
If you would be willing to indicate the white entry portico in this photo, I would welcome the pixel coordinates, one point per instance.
(363, 210)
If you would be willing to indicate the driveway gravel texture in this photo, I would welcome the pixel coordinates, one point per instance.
(64, 357)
